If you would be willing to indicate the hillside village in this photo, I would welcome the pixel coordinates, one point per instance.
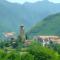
(12, 40)
(20, 47)
(38, 38)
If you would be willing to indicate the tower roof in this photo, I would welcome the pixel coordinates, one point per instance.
(21, 25)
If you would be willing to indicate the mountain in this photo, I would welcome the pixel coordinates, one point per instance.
(12, 15)
(48, 26)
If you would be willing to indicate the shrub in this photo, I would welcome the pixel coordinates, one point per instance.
(42, 53)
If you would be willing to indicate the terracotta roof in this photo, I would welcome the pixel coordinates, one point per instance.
(9, 34)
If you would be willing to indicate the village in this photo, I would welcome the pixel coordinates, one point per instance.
(22, 48)
(11, 40)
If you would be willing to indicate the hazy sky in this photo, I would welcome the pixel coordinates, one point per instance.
(22, 1)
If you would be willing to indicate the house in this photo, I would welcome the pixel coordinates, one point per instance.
(46, 39)
(9, 36)
(27, 42)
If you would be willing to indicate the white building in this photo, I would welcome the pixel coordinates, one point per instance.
(45, 40)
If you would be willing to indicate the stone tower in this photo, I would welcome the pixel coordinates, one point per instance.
(22, 33)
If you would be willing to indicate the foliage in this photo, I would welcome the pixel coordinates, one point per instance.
(10, 55)
(43, 53)
(27, 56)
(35, 51)
(55, 47)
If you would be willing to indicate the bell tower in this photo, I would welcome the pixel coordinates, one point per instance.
(22, 33)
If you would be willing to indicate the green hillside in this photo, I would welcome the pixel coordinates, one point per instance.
(48, 26)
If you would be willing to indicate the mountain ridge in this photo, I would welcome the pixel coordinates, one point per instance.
(13, 15)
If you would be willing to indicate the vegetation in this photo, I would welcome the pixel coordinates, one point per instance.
(35, 51)
(48, 26)
(18, 49)
(55, 47)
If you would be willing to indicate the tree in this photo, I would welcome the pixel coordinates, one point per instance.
(27, 56)
(43, 53)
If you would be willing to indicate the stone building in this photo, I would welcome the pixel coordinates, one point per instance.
(22, 33)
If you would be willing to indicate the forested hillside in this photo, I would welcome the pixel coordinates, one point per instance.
(48, 26)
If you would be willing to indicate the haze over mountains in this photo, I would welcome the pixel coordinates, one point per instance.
(13, 15)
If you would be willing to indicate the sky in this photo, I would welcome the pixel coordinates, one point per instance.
(23, 1)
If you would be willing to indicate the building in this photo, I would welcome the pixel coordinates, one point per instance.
(45, 40)
(27, 42)
(22, 34)
(9, 35)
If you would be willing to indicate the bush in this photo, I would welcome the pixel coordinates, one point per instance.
(33, 52)
(43, 53)
(27, 56)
